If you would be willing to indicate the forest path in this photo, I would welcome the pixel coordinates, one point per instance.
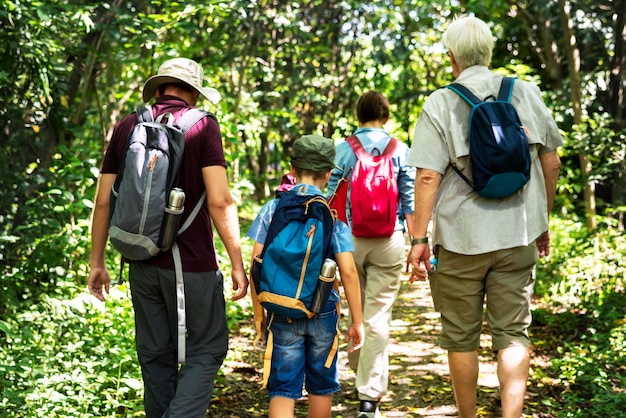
(419, 383)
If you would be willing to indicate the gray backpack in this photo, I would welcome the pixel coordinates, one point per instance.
(148, 173)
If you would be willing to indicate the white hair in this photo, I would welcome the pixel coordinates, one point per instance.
(470, 41)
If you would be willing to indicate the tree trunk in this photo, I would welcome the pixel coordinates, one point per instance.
(616, 102)
(573, 65)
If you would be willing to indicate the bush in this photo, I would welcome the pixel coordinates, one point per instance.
(581, 294)
(71, 358)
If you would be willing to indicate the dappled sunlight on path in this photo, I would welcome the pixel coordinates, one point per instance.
(419, 383)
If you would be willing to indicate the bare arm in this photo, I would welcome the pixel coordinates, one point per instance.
(257, 309)
(426, 186)
(550, 165)
(98, 274)
(257, 249)
(224, 215)
(410, 221)
(350, 280)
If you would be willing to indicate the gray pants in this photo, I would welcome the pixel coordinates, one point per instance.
(169, 391)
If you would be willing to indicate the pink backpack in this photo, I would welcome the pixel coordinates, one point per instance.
(374, 192)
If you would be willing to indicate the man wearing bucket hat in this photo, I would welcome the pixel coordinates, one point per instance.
(170, 391)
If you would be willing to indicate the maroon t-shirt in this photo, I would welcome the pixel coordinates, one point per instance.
(203, 148)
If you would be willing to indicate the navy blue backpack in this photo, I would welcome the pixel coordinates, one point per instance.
(499, 152)
(286, 272)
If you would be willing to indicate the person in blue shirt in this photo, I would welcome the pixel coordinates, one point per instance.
(301, 346)
(379, 260)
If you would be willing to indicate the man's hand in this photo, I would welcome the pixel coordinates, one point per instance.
(240, 284)
(99, 278)
(543, 244)
(419, 253)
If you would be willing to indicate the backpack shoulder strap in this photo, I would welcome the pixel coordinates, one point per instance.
(360, 152)
(506, 89)
(464, 92)
(290, 200)
(357, 147)
(190, 118)
(463, 176)
(391, 147)
(144, 113)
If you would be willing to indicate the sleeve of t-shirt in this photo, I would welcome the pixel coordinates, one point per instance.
(342, 238)
(211, 148)
(119, 139)
(428, 149)
(261, 224)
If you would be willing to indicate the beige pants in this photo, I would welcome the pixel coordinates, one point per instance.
(502, 280)
(379, 262)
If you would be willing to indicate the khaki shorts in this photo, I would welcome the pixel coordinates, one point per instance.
(505, 278)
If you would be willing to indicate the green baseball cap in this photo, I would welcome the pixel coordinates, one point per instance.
(314, 153)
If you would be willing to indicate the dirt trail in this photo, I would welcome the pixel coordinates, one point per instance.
(419, 384)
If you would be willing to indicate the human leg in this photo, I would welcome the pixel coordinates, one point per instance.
(510, 287)
(322, 377)
(281, 407)
(207, 344)
(286, 351)
(320, 406)
(464, 375)
(458, 294)
(380, 263)
(513, 365)
(153, 339)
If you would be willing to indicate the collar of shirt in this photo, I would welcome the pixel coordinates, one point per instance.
(473, 71)
(372, 133)
(171, 100)
(307, 189)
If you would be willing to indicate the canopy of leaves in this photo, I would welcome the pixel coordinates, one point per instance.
(71, 69)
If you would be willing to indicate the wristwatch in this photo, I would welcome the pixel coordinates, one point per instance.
(416, 241)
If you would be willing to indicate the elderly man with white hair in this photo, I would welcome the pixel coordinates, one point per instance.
(486, 248)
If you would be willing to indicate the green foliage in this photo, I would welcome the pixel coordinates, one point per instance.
(582, 283)
(72, 69)
(71, 358)
(75, 357)
(48, 253)
(583, 268)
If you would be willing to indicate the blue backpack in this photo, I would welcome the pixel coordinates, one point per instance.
(285, 274)
(499, 153)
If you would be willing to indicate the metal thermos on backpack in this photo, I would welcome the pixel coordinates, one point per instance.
(171, 220)
(325, 284)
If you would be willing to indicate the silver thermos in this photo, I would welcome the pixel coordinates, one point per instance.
(171, 219)
(325, 284)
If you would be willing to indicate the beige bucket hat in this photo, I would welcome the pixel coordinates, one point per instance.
(176, 70)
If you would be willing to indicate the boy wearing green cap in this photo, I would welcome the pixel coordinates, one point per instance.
(301, 346)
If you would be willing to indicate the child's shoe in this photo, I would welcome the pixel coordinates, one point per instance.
(369, 409)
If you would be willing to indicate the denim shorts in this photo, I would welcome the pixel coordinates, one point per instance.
(301, 348)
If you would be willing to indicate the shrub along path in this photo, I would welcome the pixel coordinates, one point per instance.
(419, 384)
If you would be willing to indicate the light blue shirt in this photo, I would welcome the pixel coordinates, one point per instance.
(377, 139)
(342, 236)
